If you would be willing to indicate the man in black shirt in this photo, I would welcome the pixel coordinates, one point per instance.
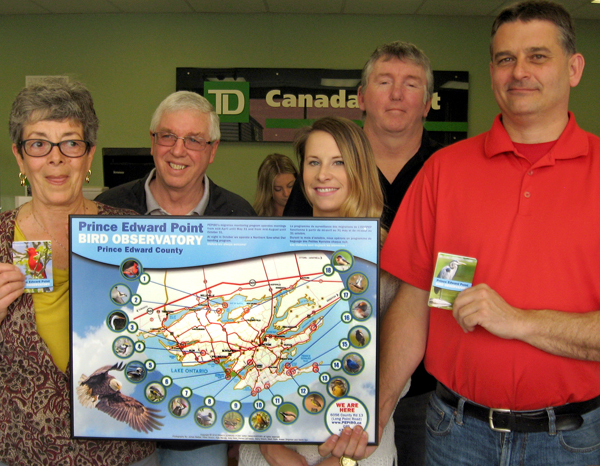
(395, 96)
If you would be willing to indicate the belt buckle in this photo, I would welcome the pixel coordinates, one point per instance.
(491, 419)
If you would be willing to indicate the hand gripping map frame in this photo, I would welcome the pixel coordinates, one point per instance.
(223, 329)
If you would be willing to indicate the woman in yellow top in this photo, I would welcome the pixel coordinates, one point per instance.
(53, 128)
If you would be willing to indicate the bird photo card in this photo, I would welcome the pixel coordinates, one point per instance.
(452, 274)
(34, 258)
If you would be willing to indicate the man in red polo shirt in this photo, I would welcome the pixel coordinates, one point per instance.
(517, 358)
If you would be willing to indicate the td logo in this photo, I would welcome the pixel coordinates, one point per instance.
(231, 100)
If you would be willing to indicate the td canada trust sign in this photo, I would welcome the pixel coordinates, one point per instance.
(232, 100)
(270, 104)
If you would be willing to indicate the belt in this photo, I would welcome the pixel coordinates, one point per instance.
(567, 417)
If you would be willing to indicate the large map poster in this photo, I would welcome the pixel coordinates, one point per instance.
(223, 329)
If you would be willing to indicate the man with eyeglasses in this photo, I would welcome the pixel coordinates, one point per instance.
(185, 136)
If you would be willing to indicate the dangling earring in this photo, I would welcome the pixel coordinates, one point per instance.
(22, 179)
(87, 177)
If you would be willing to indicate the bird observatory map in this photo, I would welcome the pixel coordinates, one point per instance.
(250, 330)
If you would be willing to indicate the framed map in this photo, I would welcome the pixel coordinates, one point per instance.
(246, 329)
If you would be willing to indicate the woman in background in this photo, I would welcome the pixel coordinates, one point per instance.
(276, 176)
(339, 179)
(53, 128)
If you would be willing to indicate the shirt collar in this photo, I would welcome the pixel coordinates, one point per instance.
(569, 145)
(153, 208)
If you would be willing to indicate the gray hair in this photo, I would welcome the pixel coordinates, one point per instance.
(186, 100)
(541, 10)
(54, 99)
(404, 51)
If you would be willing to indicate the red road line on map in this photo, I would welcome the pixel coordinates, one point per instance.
(207, 308)
(331, 303)
(216, 296)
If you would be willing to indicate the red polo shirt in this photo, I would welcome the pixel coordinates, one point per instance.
(535, 231)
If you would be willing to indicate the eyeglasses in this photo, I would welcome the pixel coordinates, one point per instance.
(163, 138)
(72, 148)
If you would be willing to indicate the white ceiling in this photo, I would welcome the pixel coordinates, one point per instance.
(581, 9)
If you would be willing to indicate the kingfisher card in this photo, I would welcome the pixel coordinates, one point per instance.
(247, 330)
(34, 259)
(452, 274)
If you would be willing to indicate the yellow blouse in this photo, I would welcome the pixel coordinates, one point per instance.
(52, 313)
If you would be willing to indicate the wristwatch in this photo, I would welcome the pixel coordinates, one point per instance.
(345, 461)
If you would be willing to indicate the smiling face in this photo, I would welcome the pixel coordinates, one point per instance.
(55, 179)
(531, 73)
(394, 96)
(282, 187)
(324, 175)
(178, 168)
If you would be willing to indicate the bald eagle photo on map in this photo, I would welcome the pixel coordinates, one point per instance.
(102, 391)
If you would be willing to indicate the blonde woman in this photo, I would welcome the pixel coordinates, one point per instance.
(276, 176)
(339, 179)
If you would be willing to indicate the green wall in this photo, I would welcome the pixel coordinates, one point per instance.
(129, 61)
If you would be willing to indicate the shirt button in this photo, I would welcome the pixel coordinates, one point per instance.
(530, 172)
(527, 194)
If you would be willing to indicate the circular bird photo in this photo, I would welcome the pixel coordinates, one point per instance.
(116, 321)
(155, 392)
(260, 421)
(337, 387)
(233, 421)
(135, 372)
(131, 269)
(361, 309)
(353, 363)
(123, 347)
(342, 260)
(287, 413)
(120, 294)
(359, 337)
(179, 406)
(205, 417)
(314, 403)
(358, 283)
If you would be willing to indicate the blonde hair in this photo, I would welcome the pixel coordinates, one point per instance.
(273, 165)
(365, 198)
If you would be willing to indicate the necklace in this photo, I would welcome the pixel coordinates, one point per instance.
(50, 234)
